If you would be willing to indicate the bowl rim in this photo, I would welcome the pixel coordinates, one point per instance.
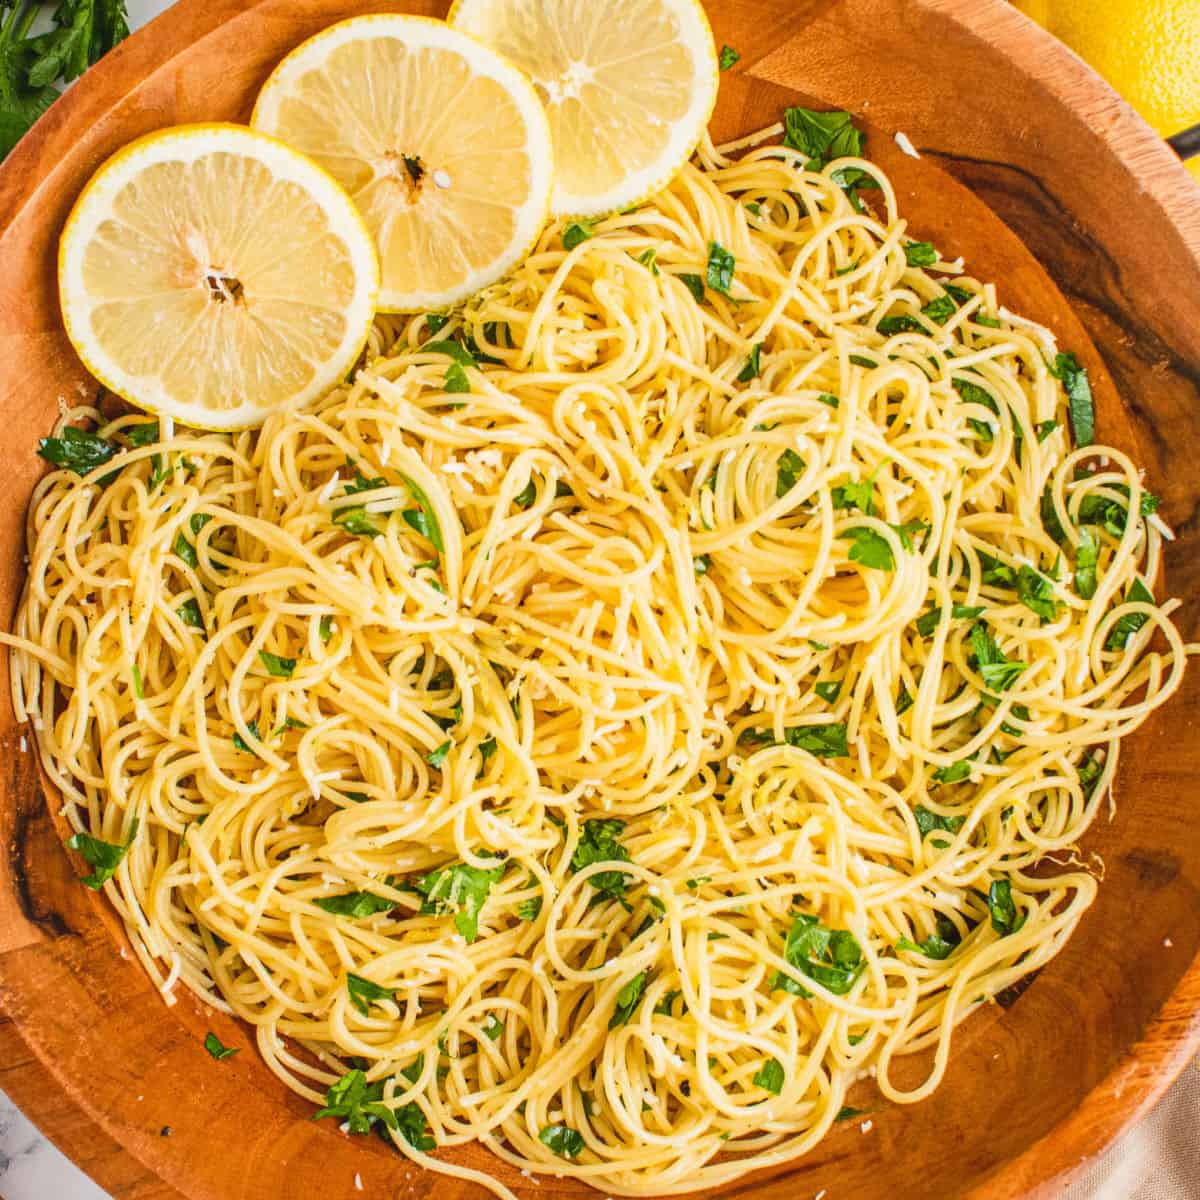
(1153, 1061)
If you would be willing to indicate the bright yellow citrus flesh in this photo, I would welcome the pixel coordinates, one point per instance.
(1149, 50)
(629, 86)
(213, 275)
(443, 145)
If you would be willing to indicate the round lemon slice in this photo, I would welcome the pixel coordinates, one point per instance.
(629, 86)
(213, 275)
(443, 145)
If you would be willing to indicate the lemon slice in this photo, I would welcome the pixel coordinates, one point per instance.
(629, 86)
(212, 275)
(443, 145)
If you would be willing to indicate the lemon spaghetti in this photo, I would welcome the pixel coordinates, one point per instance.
(629, 711)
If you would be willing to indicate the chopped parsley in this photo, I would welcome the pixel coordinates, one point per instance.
(770, 1076)
(103, 857)
(363, 991)
(628, 999)
(460, 889)
(277, 666)
(189, 613)
(1087, 555)
(216, 1048)
(577, 233)
(1036, 592)
(598, 842)
(728, 57)
(823, 136)
(355, 905)
(77, 450)
(493, 1027)
(955, 773)
(1003, 910)
(1067, 369)
(830, 957)
(870, 548)
(647, 257)
(1126, 626)
(828, 690)
(998, 672)
(358, 1104)
(920, 254)
(788, 468)
(939, 945)
(562, 1140)
(752, 368)
(437, 758)
(927, 622)
(721, 263)
(695, 285)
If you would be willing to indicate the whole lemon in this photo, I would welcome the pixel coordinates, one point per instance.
(1149, 50)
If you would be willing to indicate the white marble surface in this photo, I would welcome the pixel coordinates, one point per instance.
(1160, 1161)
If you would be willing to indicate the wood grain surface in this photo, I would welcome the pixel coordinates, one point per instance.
(1023, 150)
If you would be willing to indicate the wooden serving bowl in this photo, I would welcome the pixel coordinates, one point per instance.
(1065, 184)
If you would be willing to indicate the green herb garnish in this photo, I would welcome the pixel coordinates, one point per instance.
(728, 57)
(363, 991)
(460, 889)
(831, 957)
(628, 999)
(103, 857)
(216, 1048)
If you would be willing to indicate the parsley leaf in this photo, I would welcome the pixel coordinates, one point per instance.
(456, 382)
(752, 369)
(821, 741)
(563, 1140)
(628, 999)
(828, 690)
(30, 67)
(77, 450)
(788, 468)
(920, 254)
(1087, 555)
(460, 354)
(598, 843)
(831, 957)
(281, 668)
(823, 136)
(927, 622)
(103, 857)
(577, 233)
(770, 1076)
(940, 309)
(143, 434)
(1125, 627)
(939, 945)
(423, 519)
(363, 991)
(955, 773)
(728, 57)
(721, 263)
(189, 613)
(695, 285)
(358, 1103)
(1036, 592)
(870, 548)
(355, 905)
(1074, 378)
(646, 258)
(1003, 910)
(997, 671)
(216, 1048)
(460, 889)
(929, 821)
